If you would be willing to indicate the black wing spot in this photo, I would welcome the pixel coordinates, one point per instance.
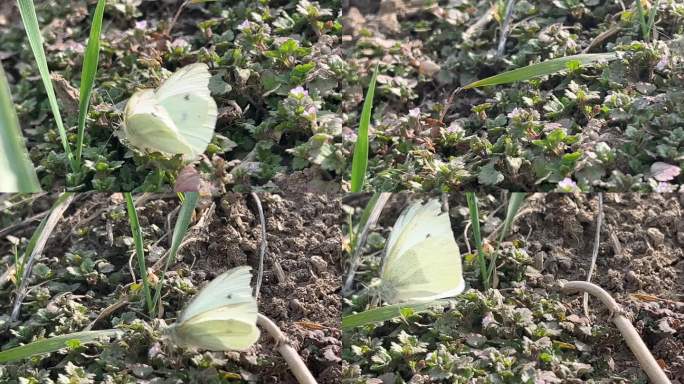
(427, 236)
(230, 296)
(186, 97)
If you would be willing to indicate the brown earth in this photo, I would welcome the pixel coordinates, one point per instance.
(303, 235)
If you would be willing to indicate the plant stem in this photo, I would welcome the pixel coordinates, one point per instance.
(139, 251)
(475, 223)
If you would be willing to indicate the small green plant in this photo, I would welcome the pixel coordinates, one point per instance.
(30, 20)
(647, 25)
(486, 270)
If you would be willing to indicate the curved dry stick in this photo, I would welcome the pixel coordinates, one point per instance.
(297, 366)
(636, 344)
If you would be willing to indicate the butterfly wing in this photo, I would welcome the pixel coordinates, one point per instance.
(222, 316)
(231, 288)
(147, 126)
(226, 328)
(422, 261)
(186, 98)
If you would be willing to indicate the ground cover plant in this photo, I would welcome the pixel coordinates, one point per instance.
(276, 69)
(524, 329)
(611, 126)
(117, 269)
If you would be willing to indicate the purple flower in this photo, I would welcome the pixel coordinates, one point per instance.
(664, 187)
(244, 25)
(414, 113)
(141, 24)
(299, 92)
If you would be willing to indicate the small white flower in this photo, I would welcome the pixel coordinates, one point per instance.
(299, 92)
(244, 25)
(414, 113)
(567, 185)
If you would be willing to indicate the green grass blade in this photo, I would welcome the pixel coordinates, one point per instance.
(514, 203)
(90, 61)
(650, 34)
(378, 315)
(17, 173)
(642, 19)
(477, 236)
(544, 68)
(54, 344)
(360, 161)
(179, 232)
(30, 20)
(139, 251)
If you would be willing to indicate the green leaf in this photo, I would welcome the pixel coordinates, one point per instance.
(473, 209)
(30, 20)
(488, 175)
(90, 61)
(378, 315)
(54, 344)
(544, 68)
(360, 161)
(17, 173)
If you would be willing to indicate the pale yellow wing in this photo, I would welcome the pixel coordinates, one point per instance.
(186, 98)
(422, 261)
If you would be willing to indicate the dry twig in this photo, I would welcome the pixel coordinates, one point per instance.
(263, 246)
(594, 252)
(634, 342)
(297, 366)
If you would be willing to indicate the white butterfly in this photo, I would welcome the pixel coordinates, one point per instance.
(177, 118)
(422, 261)
(221, 317)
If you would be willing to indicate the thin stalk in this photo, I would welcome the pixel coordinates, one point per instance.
(189, 202)
(477, 236)
(264, 244)
(594, 252)
(139, 251)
